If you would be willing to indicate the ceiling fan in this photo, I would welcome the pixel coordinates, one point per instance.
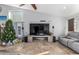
(33, 5)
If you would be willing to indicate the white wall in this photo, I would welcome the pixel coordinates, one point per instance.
(59, 24)
(35, 17)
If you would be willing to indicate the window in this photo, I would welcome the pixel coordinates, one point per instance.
(71, 24)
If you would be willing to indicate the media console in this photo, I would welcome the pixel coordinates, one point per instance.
(50, 37)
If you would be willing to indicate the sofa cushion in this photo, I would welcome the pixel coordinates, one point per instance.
(76, 41)
(64, 41)
(69, 37)
(73, 34)
(67, 41)
(73, 38)
(70, 42)
(75, 46)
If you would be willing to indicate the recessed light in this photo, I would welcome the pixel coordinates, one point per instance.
(64, 7)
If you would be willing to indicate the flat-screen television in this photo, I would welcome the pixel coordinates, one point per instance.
(39, 29)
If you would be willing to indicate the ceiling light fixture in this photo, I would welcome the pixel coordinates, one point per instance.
(64, 7)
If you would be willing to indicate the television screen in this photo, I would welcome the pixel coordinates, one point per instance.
(39, 29)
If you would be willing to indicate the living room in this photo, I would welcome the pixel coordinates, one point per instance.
(33, 23)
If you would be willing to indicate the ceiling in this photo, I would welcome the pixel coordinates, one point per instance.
(63, 10)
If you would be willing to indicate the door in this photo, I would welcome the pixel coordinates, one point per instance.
(19, 28)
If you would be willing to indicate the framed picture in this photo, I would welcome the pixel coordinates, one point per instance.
(2, 18)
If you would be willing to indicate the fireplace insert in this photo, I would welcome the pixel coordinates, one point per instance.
(39, 29)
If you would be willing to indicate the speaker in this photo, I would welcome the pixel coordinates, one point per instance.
(54, 39)
(53, 27)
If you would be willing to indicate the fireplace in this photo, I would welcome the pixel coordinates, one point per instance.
(39, 29)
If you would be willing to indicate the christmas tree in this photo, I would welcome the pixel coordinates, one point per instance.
(9, 32)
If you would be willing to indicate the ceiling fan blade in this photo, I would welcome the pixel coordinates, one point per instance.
(21, 5)
(34, 6)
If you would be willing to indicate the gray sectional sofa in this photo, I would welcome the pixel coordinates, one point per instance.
(71, 40)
